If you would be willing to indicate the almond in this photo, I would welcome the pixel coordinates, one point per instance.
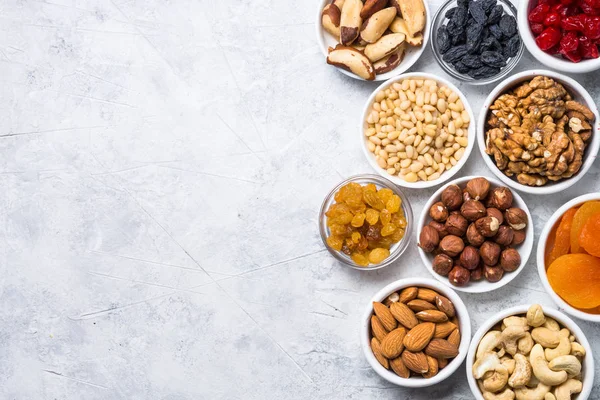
(404, 315)
(427, 294)
(445, 305)
(420, 305)
(408, 294)
(416, 362)
(454, 338)
(433, 367)
(377, 328)
(376, 347)
(385, 316)
(418, 337)
(442, 362)
(442, 330)
(392, 298)
(432, 316)
(392, 345)
(399, 368)
(440, 348)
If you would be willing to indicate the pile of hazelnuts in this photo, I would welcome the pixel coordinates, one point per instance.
(473, 233)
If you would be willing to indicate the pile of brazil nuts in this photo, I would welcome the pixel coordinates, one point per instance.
(417, 129)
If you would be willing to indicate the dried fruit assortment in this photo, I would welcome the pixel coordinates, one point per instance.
(529, 356)
(478, 38)
(537, 133)
(364, 222)
(415, 332)
(373, 35)
(568, 28)
(417, 129)
(572, 257)
(473, 232)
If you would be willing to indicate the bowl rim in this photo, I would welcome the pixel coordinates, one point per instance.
(471, 132)
(402, 245)
(464, 323)
(591, 150)
(560, 317)
(505, 71)
(540, 257)
(548, 60)
(524, 250)
(401, 68)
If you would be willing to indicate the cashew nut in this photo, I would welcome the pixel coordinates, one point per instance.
(533, 382)
(535, 316)
(564, 391)
(510, 336)
(538, 393)
(522, 372)
(546, 337)
(563, 348)
(551, 324)
(490, 362)
(541, 369)
(549, 396)
(515, 321)
(497, 380)
(577, 350)
(570, 364)
(506, 394)
(525, 344)
(509, 363)
(488, 343)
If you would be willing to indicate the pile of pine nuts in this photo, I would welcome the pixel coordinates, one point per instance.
(417, 129)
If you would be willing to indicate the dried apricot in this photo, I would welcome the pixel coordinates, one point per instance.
(589, 238)
(562, 239)
(576, 278)
(378, 255)
(581, 216)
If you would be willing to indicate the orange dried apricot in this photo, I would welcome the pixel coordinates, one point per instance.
(589, 238)
(581, 216)
(562, 239)
(576, 278)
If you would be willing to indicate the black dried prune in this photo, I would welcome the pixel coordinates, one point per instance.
(493, 59)
(461, 68)
(474, 37)
(472, 61)
(477, 12)
(443, 39)
(508, 25)
(450, 13)
(483, 72)
(512, 46)
(496, 31)
(455, 53)
(495, 15)
(487, 5)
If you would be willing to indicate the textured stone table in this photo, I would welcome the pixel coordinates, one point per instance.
(162, 166)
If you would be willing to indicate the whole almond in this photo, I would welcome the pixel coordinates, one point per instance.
(427, 295)
(399, 368)
(432, 316)
(376, 347)
(440, 348)
(377, 328)
(392, 298)
(404, 315)
(442, 330)
(416, 362)
(418, 337)
(442, 362)
(385, 316)
(445, 305)
(408, 294)
(433, 367)
(392, 345)
(454, 338)
(420, 305)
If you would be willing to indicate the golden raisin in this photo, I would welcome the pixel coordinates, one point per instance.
(372, 216)
(378, 255)
(360, 259)
(393, 204)
(385, 194)
(388, 229)
(385, 216)
(358, 220)
(335, 242)
(373, 200)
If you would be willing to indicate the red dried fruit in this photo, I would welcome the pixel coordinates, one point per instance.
(537, 28)
(573, 56)
(538, 14)
(589, 10)
(548, 38)
(587, 49)
(591, 28)
(569, 43)
(552, 19)
(574, 23)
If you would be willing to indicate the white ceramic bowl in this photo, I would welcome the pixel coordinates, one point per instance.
(397, 180)
(482, 285)
(579, 93)
(555, 219)
(464, 322)
(411, 55)
(556, 62)
(588, 363)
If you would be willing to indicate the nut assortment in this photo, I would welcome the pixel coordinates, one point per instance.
(537, 133)
(529, 357)
(473, 232)
(373, 35)
(417, 129)
(415, 332)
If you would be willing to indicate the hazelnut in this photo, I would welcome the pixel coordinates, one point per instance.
(441, 228)
(466, 196)
(469, 258)
(442, 264)
(452, 197)
(518, 237)
(492, 274)
(459, 276)
(494, 212)
(472, 210)
(456, 224)
(516, 218)
(505, 236)
(477, 274)
(501, 198)
(510, 260)
(478, 188)
(487, 226)
(428, 239)
(452, 245)
(438, 212)
(474, 237)
(489, 252)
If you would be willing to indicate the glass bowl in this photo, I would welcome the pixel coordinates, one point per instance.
(396, 250)
(440, 20)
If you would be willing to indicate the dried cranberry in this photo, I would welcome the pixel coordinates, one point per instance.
(592, 3)
(538, 14)
(574, 23)
(569, 43)
(552, 19)
(589, 10)
(573, 56)
(566, 2)
(548, 38)
(591, 28)
(587, 49)
(554, 50)
(537, 28)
